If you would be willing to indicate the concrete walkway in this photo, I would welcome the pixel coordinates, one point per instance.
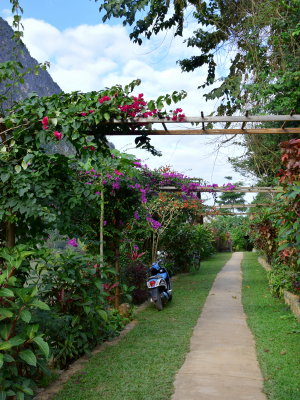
(221, 364)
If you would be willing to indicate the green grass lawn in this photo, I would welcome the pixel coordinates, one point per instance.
(276, 331)
(143, 364)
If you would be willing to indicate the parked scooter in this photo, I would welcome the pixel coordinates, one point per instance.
(159, 285)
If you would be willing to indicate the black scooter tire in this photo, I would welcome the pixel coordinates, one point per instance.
(158, 303)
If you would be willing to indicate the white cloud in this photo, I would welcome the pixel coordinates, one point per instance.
(92, 57)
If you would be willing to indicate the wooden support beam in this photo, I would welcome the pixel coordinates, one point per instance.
(244, 123)
(241, 205)
(214, 119)
(202, 116)
(258, 131)
(286, 121)
(229, 213)
(241, 189)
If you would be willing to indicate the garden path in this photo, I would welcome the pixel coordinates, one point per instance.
(221, 364)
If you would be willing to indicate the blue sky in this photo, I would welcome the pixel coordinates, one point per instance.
(86, 54)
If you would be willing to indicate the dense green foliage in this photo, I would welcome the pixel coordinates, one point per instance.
(182, 241)
(263, 36)
(276, 333)
(232, 228)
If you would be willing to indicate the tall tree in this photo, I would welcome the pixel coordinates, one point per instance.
(263, 37)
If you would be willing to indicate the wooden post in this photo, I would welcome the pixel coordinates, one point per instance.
(118, 270)
(10, 234)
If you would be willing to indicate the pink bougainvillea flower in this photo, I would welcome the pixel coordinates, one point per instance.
(83, 114)
(73, 242)
(91, 111)
(103, 99)
(115, 186)
(45, 122)
(118, 172)
(58, 135)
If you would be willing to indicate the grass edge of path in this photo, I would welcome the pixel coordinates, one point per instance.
(276, 332)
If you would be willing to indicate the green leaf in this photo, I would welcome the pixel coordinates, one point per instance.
(1, 359)
(40, 304)
(2, 396)
(106, 116)
(54, 121)
(103, 314)
(28, 390)
(6, 293)
(5, 313)
(5, 346)
(24, 164)
(4, 177)
(32, 330)
(28, 356)
(4, 332)
(18, 168)
(42, 345)
(16, 341)
(8, 358)
(25, 316)
(20, 396)
(151, 105)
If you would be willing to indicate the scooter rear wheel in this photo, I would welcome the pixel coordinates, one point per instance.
(158, 303)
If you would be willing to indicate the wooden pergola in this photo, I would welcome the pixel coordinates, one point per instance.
(284, 120)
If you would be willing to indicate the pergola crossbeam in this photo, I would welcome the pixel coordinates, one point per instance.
(258, 131)
(241, 205)
(241, 189)
(214, 119)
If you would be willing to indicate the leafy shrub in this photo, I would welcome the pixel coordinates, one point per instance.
(73, 284)
(279, 280)
(135, 275)
(181, 241)
(23, 350)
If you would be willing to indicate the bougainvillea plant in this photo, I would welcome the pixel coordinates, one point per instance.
(35, 179)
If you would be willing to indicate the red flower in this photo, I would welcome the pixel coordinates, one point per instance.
(103, 99)
(58, 135)
(83, 114)
(45, 122)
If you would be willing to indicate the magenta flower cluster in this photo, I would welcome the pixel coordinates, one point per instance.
(72, 242)
(153, 223)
